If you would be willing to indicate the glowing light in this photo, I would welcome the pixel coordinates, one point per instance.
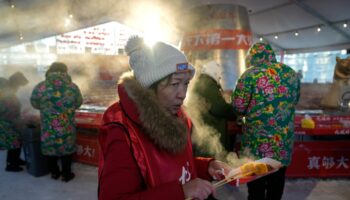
(296, 33)
(12, 5)
(319, 29)
(70, 16)
(152, 26)
(261, 39)
(345, 25)
(152, 22)
(276, 37)
(152, 32)
(67, 22)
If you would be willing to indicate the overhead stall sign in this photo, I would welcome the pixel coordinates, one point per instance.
(106, 39)
(99, 40)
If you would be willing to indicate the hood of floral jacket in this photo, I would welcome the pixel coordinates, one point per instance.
(260, 54)
(140, 105)
(58, 79)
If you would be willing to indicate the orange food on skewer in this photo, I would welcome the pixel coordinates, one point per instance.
(254, 168)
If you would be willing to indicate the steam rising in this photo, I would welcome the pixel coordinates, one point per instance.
(39, 19)
(206, 137)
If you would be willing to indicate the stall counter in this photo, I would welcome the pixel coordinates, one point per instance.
(322, 151)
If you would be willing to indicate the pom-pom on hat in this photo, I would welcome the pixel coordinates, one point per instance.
(153, 63)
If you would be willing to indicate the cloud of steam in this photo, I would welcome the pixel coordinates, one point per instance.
(206, 137)
(96, 76)
(86, 71)
(39, 19)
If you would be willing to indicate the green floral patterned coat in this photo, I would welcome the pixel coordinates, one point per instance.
(266, 95)
(57, 98)
(10, 108)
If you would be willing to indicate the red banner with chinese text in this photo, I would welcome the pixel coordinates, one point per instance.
(88, 149)
(320, 159)
(217, 39)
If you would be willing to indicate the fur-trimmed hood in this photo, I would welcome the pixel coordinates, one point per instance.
(141, 106)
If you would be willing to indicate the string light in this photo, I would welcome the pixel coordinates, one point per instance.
(319, 29)
(297, 32)
(261, 39)
(12, 6)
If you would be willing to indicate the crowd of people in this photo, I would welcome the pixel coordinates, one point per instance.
(147, 148)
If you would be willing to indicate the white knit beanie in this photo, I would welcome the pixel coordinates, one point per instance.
(153, 63)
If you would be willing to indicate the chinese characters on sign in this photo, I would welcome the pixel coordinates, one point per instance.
(105, 39)
(319, 158)
(86, 150)
(217, 39)
(97, 39)
(316, 162)
(342, 132)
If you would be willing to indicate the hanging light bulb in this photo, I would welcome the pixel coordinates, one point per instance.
(319, 29)
(261, 39)
(276, 37)
(345, 25)
(20, 36)
(12, 5)
(296, 33)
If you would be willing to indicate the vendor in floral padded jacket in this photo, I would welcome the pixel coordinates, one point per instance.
(145, 137)
(266, 95)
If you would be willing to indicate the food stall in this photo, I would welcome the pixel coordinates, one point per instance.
(323, 151)
(321, 147)
(220, 33)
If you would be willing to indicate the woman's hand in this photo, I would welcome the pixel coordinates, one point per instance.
(218, 170)
(198, 189)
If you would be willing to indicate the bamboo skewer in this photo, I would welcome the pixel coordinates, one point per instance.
(235, 174)
(228, 179)
(249, 169)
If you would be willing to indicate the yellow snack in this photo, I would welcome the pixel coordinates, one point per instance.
(260, 168)
(253, 168)
(247, 169)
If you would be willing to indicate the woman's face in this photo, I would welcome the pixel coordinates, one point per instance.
(172, 92)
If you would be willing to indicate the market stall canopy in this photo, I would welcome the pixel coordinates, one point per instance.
(294, 22)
